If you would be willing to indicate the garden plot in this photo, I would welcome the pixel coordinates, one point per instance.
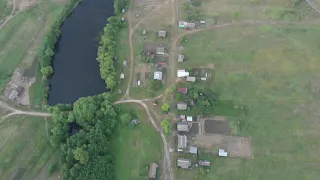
(234, 145)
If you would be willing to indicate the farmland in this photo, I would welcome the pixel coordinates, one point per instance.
(25, 148)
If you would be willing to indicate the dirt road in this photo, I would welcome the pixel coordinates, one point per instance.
(19, 112)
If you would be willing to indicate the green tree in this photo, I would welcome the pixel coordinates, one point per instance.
(125, 118)
(165, 124)
(171, 89)
(81, 155)
(165, 107)
(46, 71)
(195, 96)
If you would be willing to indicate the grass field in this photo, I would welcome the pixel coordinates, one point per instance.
(274, 72)
(136, 147)
(24, 147)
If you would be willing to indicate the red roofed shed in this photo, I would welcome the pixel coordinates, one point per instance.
(183, 90)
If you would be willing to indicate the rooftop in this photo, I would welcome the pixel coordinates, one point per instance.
(182, 126)
(153, 170)
(182, 106)
(184, 163)
(223, 153)
(191, 79)
(162, 34)
(193, 150)
(204, 163)
(182, 141)
(160, 50)
(182, 73)
(183, 90)
(157, 75)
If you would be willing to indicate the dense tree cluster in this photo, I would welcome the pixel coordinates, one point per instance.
(86, 154)
(107, 51)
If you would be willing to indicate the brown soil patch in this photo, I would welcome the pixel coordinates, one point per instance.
(216, 127)
(234, 145)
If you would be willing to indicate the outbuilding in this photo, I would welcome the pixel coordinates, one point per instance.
(182, 127)
(121, 76)
(193, 150)
(191, 79)
(13, 95)
(184, 163)
(189, 118)
(153, 171)
(205, 163)
(162, 34)
(223, 153)
(182, 106)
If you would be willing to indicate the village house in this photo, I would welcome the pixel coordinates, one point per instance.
(193, 150)
(162, 34)
(191, 79)
(121, 76)
(187, 25)
(125, 63)
(189, 118)
(184, 163)
(182, 116)
(182, 127)
(182, 73)
(160, 50)
(183, 90)
(204, 163)
(223, 153)
(182, 106)
(13, 95)
(144, 32)
(180, 58)
(157, 75)
(153, 171)
(182, 141)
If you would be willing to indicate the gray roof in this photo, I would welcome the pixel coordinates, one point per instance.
(184, 163)
(182, 126)
(157, 75)
(193, 150)
(182, 106)
(191, 79)
(13, 95)
(160, 49)
(180, 58)
(153, 170)
(204, 163)
(182, 141)
(190, 25)
(162, 33)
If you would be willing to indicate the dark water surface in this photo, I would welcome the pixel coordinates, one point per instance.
(76, 70)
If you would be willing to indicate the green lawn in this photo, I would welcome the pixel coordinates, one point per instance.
(24, 147)
(274, 72)
(5, 9)
(136, 147)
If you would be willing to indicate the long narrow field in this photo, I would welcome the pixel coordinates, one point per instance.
(24, 147)
(274, 72)
(136, 147)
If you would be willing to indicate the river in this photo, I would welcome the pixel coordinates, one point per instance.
(76, 70)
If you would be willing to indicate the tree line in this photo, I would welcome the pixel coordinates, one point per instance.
(86, 153)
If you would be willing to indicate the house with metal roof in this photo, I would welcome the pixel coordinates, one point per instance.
(182, 141)
(121, 76)
(189, 118)
(13, 95)
(184, 163)
(183, 90)
(205, 163)
(182, 73)
(162, 34)
(182, 106)
(152, 171)
(193, 150)
(180, 58)
(160, 50)
(157, 75)
(191, 79)
(223, 153)
(182, 127)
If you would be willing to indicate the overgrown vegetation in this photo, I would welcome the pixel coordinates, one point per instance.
(192, 13)
(84, 136)
(166, 125)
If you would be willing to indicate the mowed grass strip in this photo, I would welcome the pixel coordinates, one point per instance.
(274, 72)
(25, 147)
(136, 147)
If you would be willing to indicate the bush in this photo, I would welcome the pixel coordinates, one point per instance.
(52, 168)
